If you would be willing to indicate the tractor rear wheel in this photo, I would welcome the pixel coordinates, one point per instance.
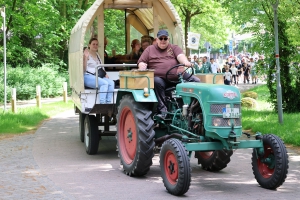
(270, 169)
(135, 136)
(91, 135)
(175, 167)
(214, 160)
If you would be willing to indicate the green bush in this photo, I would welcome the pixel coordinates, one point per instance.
(250, 94)
(25, 79)
(249, 102)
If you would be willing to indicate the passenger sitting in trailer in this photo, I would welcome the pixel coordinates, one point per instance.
(91, 59)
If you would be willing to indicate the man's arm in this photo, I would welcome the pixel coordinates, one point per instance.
(182, 59)
(85, 59)
(143, 60)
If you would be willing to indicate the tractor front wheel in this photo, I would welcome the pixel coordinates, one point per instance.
(135, 135)
(175, 167)
(271, 168)
(213, 160)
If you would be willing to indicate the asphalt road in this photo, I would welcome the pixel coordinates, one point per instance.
(61, 158)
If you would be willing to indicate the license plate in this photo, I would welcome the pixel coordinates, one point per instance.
(231, 113)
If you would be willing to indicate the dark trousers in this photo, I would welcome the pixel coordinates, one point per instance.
(234, 78)
(226, 82)
(160, 86)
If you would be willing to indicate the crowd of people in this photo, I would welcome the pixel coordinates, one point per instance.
(242, 69)
(236, 69)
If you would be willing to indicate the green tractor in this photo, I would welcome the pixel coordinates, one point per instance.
(202, 118)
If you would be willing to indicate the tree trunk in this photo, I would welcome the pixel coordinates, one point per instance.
(187, 22)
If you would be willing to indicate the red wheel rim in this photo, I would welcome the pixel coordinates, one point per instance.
(127, 134)
(206, 155)
(263, 168)
(171, 167)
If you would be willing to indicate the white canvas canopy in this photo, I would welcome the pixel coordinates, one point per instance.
(146, 16)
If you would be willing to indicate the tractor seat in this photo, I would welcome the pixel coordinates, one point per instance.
(168, 91)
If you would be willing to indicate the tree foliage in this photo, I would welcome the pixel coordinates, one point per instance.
(115, 32)
(257, 17)
(206, 17)
(38, 31)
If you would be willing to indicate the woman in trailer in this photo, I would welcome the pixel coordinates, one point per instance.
(91, 60)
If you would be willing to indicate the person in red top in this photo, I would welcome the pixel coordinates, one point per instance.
(162, 57)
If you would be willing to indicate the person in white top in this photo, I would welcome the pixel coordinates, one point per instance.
(234, 73)
(253, 71)
(214, 66)
(91, 60)
(227, 77)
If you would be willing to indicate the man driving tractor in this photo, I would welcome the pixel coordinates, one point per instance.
(162, 57)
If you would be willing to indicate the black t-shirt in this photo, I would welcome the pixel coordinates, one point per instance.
(246, 69)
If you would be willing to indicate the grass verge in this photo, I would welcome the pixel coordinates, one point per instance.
(263, 119)
(28, 118)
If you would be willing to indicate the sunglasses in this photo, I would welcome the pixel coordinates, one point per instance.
(163, 38)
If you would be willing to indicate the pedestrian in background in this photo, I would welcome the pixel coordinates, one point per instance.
(214, 66)
(234, 71)
(227, 76)
(206, 66)
(246, 70)
(253, 71)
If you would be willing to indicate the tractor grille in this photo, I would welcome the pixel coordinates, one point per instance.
(218, 109)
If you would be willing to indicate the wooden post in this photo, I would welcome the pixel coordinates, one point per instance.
(14, 100)
(38, 96)
(65, 92)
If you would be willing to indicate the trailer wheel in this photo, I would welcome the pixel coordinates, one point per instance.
(81, 126)
(270, 170)
(213, 160)
(91, 135)
(135, 135)
(175, 167)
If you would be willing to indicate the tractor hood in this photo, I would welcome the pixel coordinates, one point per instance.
(209, 92)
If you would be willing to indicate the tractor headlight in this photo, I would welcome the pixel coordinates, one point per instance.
(234, 122)
(228, 122)
(216, 121)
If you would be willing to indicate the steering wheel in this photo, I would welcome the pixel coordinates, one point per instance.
(180, 75)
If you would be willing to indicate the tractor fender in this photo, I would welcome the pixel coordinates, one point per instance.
(138, 96)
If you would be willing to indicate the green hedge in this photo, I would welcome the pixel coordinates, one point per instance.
(25, 79)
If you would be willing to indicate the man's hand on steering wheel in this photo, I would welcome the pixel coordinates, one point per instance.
(182, 69)
(180, 72)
